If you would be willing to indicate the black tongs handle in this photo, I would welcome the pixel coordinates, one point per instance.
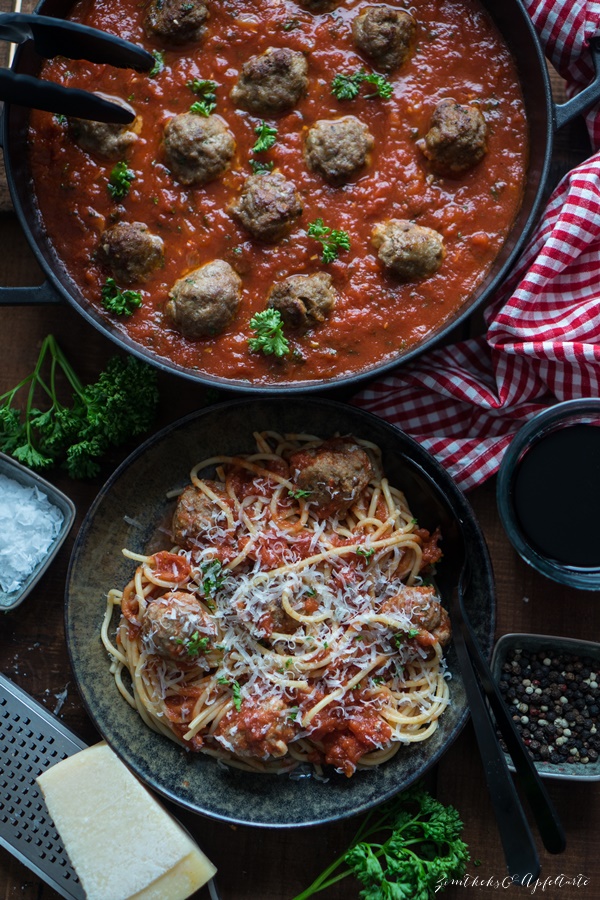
(28, 91)
(59, 37)
(544, 813)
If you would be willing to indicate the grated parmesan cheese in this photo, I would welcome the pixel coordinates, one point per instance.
(29, 525)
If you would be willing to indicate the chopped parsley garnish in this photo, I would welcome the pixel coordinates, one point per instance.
(60, 119)
(367, 552)
(270, 338)
(236, 690)
(347, 87)
(213, 578)
(205, 90)
(121, 303)
(332, 240)
(266, 137)
(293, 713)
(403, 636)
(261, 168)
(299, 493)
(120, 181)
(159, 63)
(291, 24)
(195, 644)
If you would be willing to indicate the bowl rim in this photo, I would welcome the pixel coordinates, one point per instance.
(60, 500)
(571, 645)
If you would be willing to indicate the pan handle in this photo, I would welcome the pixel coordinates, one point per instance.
(29, 296)
(580, 103)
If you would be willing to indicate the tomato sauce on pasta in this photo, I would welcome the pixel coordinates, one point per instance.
(290, 624)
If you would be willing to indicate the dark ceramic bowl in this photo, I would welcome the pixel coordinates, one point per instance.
(128, 512)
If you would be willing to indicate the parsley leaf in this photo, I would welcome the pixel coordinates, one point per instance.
(270, 338)
(407, 849)
(117, 407)
(332, 241)
(367, 552)
(205, 90)
(347, 87)
(236, 689)
(299, 493)
(213, 578)
(159, 63)
(121, 303)
(403, 636)
(120, 180)
(261, 168)
(195, 644)
(266, 137)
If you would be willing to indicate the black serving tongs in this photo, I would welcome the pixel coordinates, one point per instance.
(519, 847)
(58, 37)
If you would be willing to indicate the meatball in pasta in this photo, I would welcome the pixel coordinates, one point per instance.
(176, 627)
(334, 475)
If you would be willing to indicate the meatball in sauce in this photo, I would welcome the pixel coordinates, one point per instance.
(176, 21)
(334, 475)
(408, 251)
(171, 624)
(385, 36)
(198, 149)
(457, 138)
(205, 301)
(304, 301)
(273, 82)
(268, 206)
(131, 252)
(338, 149)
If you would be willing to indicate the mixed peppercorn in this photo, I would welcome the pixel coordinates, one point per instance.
(555, 704)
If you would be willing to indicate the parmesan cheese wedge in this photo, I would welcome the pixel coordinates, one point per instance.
(121, 842)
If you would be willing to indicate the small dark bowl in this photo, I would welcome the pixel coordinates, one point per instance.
(533, 643)
(14, 470)
(128, 512)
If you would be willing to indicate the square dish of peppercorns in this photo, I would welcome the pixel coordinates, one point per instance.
(550, 684)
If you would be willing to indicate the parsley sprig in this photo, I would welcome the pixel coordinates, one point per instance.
(266, 137)
(159, 63)
(235, 689)
(117, 407)
(347, 87)
(206, 91)
(410, 847)
(270, 338)
(332, 240)
(120, 180)
(121, 303)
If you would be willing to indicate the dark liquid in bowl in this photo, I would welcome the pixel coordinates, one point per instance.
(556, 495)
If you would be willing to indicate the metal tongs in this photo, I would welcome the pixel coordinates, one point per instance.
(519, 848)
(58, 37)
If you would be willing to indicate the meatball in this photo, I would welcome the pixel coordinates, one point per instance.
(268, 206)
(415, 607)
(107, 139)
(196, 515)
(131, 252)
(384, 35)
(272, 82)
(198, 149)
(205, 301)
(457, 138)
(176, 21)
(335, 474)
(171, 624)
(338, 148)
(409, 251)
(304, 301)
(261, 731)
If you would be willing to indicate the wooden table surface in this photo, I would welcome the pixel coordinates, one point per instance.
(257, 864)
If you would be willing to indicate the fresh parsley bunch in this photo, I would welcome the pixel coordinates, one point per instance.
(118, 406)
(404, 850)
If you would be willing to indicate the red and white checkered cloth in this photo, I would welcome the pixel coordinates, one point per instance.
(465, 402)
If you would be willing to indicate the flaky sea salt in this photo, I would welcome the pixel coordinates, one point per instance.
(29, 524)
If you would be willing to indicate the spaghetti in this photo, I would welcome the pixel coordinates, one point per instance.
(291, 622)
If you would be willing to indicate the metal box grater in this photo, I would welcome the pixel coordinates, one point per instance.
(32, 740)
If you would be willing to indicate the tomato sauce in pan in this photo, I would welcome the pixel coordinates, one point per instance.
(458, 54)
